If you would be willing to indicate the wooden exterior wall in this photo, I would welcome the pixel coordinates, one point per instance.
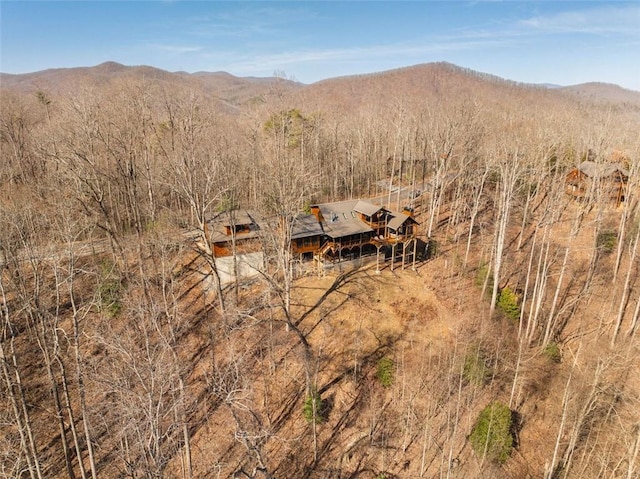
(224, 248)
(221, 249)
(310, 244)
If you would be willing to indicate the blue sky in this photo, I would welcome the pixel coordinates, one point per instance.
(538, 42)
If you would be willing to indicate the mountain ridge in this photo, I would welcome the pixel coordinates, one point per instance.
(221, 80)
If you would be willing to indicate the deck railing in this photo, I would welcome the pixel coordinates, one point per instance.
(377, 241)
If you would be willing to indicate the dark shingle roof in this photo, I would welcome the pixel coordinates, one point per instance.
(305, 226)
(240, 217)
(341, 220)
(600, 170)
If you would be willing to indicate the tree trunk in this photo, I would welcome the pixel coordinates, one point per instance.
(626, 290)
(549, 330)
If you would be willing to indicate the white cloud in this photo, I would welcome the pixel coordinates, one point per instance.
(249, 22)
(623, 20)
(359, 54)
(176, 49)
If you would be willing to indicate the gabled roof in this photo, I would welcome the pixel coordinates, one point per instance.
(221, 221)
(366, 208)
(398, 220)
(239, 217)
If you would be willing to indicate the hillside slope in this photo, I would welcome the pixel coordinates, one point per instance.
(124, 355)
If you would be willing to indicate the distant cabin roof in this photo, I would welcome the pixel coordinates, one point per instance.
(601, 170)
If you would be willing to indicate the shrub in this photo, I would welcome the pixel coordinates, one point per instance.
(227, 203)
(385, 372)
(606, 241)
(431, 249)
(527, 189)
(508, 303)
(312, 409)
(552, 351)
(491, 435)
(476, 370)
(110, 291)
(481, 276)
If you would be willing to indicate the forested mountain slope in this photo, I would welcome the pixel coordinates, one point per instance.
(511, 351)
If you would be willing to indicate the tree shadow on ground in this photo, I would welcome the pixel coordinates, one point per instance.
(342, 280)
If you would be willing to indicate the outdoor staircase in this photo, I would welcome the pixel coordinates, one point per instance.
(326, 248)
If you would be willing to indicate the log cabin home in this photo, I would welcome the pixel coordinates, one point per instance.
(589, 180)
(351, 229)
(332, 232)
(238, 226)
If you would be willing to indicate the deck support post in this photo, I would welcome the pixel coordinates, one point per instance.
(393, 255)
(404, 253)
(415, 252)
